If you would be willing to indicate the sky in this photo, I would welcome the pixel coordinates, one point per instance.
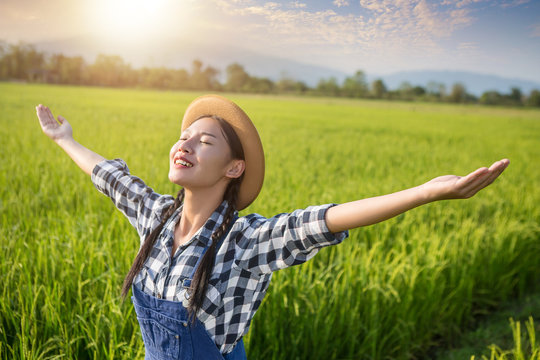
(500, 37)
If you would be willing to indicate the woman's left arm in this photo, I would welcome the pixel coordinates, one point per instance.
(376, 209)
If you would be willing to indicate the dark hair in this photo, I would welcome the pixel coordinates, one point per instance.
(204, 270)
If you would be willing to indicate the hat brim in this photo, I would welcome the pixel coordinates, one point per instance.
(249, 137)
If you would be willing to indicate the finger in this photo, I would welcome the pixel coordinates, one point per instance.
(467, 180)
(51, 117)
(49, 122)
(483, 178)
(61, 119)
(470, 188)
(493, 174)
(42, 116)
(48, 119)
(496, 165)
(496, 172)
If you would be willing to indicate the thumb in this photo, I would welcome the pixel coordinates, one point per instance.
(61, 119)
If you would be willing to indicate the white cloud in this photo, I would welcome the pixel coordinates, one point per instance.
(384, 31)
(461, 3)
(402, 20)
(502, 3)
(297, 5)
(374, 5)
(513, 3)
(340, 3)
(467, 46)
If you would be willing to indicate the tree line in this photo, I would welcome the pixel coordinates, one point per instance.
(22, 62)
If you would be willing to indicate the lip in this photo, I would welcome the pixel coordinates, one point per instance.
(180, 166)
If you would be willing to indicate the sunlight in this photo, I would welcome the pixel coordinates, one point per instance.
(127, 19)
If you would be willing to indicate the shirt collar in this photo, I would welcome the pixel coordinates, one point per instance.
(204, 234)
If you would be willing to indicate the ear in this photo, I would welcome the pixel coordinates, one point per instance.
(236, 168)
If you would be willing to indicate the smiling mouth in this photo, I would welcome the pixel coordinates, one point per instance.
(183, 163)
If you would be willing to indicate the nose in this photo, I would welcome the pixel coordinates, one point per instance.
(185, 146)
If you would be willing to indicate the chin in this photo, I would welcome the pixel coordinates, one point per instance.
(175, 180)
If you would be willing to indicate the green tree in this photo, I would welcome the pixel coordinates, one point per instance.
(378, 88)
(22, 61)
(418, 91)
(491, 98)
(260, 85)
(355, 86)
(164, 78)
(66, 70)
(111, 70)
(458, 94)
(534, 98)
(287, 84)
(515, 97)
(237, 78)
(436, 90)
(328, 87)
(203, 79)
(406, 91)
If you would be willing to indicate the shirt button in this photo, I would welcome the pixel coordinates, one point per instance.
(159, 295)
(178, 337)
(185, 324)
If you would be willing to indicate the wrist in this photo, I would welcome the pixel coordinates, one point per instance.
(63, 142)
(425, 194)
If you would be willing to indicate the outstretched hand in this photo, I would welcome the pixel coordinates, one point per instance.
(53, 129)
(463, 187)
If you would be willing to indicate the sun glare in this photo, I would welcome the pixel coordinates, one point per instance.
(127, 19)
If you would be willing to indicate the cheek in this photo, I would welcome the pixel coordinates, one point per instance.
(216, 159)
(173, 150)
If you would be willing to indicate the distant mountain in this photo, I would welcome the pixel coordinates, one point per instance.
(180, 53)
(475, 83)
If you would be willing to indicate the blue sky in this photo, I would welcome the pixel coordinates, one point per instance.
(493, 37)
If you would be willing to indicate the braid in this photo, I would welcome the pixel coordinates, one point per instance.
(204, 271)
(149, 242)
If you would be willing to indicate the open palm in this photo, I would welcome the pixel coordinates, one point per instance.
(463, 187)
(51, 127)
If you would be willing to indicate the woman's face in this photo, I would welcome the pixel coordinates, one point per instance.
(202, 157)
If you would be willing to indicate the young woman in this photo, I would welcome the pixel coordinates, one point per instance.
(202, 271)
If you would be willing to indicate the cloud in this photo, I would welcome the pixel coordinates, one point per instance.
(416, 19)
(297, 5)
(340, 3)
(461, 3)
(378, 33)
(467, 46)
(513, 3)
(405, 21)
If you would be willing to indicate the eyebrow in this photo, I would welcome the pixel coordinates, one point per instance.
(202, 133)
(207, 133)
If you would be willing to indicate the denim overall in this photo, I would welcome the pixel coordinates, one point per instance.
(169, 334)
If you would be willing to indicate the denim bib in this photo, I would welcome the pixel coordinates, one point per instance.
(169, 334)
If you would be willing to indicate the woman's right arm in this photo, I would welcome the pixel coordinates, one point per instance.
(62, 134)
(137, 201)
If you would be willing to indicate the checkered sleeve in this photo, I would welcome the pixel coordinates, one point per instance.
(137, 201)
(287, 239)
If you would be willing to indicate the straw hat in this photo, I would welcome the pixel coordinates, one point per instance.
(249, 137)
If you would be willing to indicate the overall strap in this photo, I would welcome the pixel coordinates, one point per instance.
(187, 282)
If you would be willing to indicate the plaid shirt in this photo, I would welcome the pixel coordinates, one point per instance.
(252, 250)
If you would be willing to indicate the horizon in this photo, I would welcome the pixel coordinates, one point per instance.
(500, 38)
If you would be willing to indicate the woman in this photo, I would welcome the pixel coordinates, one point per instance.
(202, 272)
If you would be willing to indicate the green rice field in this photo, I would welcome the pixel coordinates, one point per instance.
(394, 290)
